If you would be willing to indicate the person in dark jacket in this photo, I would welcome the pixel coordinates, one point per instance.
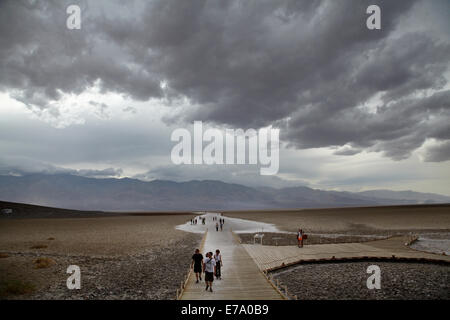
(197, 264)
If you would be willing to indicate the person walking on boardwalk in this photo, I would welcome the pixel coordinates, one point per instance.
(221, 226)
(218, 258)
(300, 238)
(217, 226)
(209, 267)
(197, 263)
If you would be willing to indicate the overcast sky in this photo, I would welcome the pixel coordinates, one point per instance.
(357, 109)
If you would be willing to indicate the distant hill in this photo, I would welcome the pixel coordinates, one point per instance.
(21, 210)
(418, 197)
(76, 192)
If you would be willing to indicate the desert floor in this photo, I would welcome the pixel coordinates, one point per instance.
(370, 220)
(146, 257)
(131, 257)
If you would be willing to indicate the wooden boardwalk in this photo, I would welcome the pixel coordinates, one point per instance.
(273, 257)
(244, 264)
(242, 279)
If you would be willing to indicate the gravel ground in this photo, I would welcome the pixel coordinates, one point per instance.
(348, 281)
(155, 274)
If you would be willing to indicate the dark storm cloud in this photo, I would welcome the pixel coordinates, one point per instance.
(40, 58)
(309, 67)
(346, 152)
(396, 129)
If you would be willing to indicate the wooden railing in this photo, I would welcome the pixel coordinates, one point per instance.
(282, 290)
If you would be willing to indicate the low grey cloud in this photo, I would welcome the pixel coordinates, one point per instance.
(129, 109)
(346, 152)
(243, 174)
(23, 166)
(438, 153)
(309, 67)
(101, 109)
(97, 142)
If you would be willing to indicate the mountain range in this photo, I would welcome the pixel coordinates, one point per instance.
(126, 194)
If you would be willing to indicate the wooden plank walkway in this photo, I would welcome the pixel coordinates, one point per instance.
(242, 279)
(272, 257)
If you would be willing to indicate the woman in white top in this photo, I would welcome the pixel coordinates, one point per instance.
(218, 258)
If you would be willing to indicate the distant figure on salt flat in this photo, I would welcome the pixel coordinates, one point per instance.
(300, 238)
(217, 226)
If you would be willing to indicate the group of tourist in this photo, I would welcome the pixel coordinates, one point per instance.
(194, 221)
(219, 224)
(210, 265)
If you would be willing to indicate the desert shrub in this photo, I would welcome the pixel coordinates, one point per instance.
(15, 287)
(39, 246)
(41, 263)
